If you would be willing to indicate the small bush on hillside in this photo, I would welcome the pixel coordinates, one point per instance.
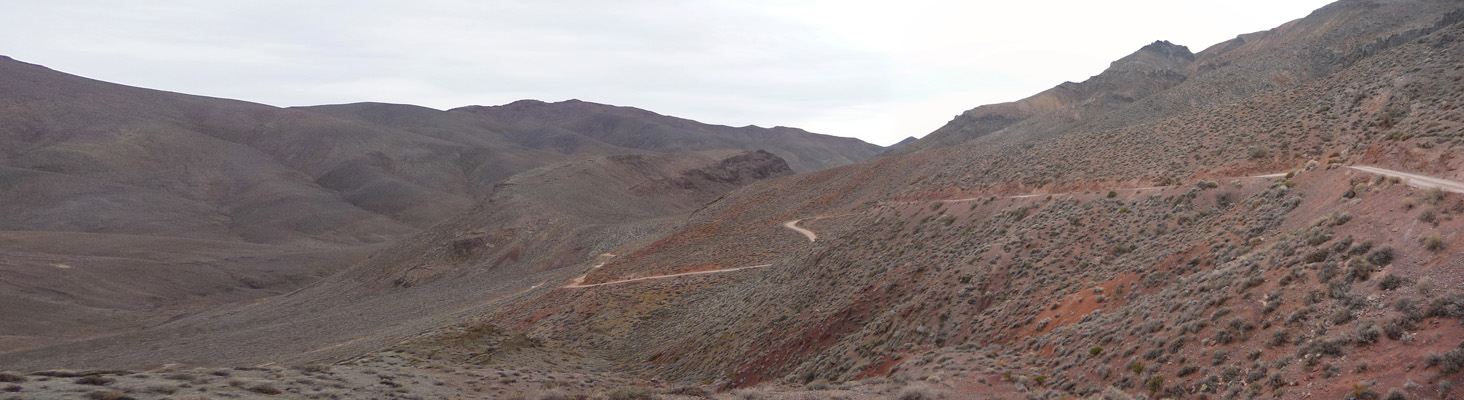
(1359, 269)
(1381, 256)
(265, 388)
(1433, 195)
(1368, 333)
(694, 391)
(557, 395)
(917, 393)
(1112, 194)
(630, 393)
(1448, 363)
(1341, 316)
(94, 380)
(101, 395)
(1391, 281)
(1428, 214)
(1362, 392)
(1434, 242)
(1447, 306)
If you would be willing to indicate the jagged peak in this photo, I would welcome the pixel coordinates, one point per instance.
(1160, 55)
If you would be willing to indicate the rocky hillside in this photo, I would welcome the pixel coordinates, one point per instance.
(1052, 269)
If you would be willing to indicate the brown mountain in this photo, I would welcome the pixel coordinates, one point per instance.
(535, 121)
(250, 200)
(533, 232)
(1216, 236)
(1152, 69)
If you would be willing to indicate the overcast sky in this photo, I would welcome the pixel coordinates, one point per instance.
(877, 70)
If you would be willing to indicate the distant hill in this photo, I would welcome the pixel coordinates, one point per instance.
(557, 124)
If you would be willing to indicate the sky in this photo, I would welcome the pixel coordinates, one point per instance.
(877, 70)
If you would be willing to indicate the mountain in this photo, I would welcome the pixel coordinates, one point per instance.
(571, 123)
(221, 201)
(1274, 216)
(534, 230)
(1124, 244)
(1154, 68)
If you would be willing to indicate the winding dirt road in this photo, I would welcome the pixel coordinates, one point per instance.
(578, 282)
(806, 233)
(1415, 180)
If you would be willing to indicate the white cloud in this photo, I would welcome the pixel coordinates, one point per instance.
(878, 70)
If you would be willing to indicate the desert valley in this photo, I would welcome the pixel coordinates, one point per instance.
(1274, 216)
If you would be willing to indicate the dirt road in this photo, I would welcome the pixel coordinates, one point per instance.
(806, 233)
(578, 282)
(1415, 180)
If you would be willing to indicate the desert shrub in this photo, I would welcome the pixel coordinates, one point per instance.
(265, 388)
(1381, 256)
(1226, 198)
(1446, 306)
(750, 394)
(1156, 383)
(1137, 367)
(1391, 281)
(1368, 332)
(1433, 195)
(102, 395)
(162, 389)
(1325, 347)
(1434, 242)
(1393, 330)
(313, 368)
(917, 393)
(1395, 394)
(1326, 272)
(1112, 194)
(1342, 316)
(1362, 392)
(1095, 351)
(1448, 363)
(1428, 214)
(1317, 255)
(1359, 269)
(95, 380)
(630, 393)
(694, 391)
(557, 395)
(1278, 338)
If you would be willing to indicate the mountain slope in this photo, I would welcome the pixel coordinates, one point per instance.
(537, 227)
(532, 121)
(99, 163)
(1192, 280)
